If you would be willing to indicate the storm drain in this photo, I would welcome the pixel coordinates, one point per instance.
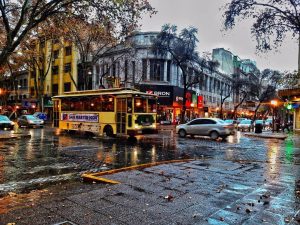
(65, 223)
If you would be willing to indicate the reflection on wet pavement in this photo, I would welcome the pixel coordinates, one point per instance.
(49, 157)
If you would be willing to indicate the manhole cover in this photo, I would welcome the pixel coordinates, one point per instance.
(65, 223)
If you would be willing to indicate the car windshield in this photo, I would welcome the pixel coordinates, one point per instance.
(31, 117)
(259, 121)
(228, 121)
(4, 118)
(246, 122)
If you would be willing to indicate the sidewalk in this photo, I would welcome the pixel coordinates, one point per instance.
(195, 192)
(267, 134)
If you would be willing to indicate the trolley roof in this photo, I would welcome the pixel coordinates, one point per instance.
(110, 91)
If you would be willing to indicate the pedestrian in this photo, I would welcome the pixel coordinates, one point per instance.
(286, 125)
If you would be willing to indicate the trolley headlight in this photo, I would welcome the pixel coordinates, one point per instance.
(136, 126)
(153, 125)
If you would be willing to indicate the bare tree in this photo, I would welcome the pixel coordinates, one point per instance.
(265, 87)
(182, 48)
(273, 20)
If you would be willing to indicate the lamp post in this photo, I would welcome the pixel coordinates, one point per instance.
(273, 104)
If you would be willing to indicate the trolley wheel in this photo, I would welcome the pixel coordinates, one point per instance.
(109, 131)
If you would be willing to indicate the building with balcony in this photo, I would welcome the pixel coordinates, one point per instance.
(133, 64)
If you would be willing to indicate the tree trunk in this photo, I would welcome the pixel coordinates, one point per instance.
(183, 105)
(238, 105)
(255, 111)
(299, 61)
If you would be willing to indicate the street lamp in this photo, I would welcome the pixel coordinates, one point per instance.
(273, 104)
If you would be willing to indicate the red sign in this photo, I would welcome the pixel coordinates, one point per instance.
(200, 102)
(188, 99)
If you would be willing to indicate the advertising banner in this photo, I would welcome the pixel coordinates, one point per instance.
(80, 117)
(200, 102)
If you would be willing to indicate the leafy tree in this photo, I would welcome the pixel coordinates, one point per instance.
(18, 19)
(273, 19)
(182, 48)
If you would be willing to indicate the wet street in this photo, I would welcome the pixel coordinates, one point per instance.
(50, 157)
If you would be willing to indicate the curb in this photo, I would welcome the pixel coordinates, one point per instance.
(95, 177)
(281, 137)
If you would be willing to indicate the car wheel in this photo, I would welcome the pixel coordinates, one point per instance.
(214, 135)
(182, 133)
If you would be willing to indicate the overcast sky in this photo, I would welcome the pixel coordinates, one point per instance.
(206, 15)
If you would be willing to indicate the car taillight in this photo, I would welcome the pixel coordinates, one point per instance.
(228, 126)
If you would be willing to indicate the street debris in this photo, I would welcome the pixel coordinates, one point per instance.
(169, 198)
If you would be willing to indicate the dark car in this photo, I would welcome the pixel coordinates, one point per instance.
(5, 123)
(30, 121)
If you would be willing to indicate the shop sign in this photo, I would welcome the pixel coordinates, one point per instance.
(160, 93)
(200, 102)
(164, 93)
(295, 105)
(194, 100)
(84, 117)
(188, 99)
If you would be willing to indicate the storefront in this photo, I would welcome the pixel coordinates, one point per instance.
(293, 98)
(170, 101)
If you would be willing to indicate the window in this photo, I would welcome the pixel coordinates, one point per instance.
(107, 104)
(195, 122)
(156, 70)
(67, 67)
(208, 121)
(55, 54)
(169, 71)
(32, 91)
(54, 70)
(144, 70)
(54, 89)
(67, 87)
(133, 72)
(126, 70)
(68, 50)
(140, 105)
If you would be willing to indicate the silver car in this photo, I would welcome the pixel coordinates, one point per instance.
(245, 125)
(30, 121)
(205, 127)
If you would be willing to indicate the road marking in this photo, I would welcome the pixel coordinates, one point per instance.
(96, 176)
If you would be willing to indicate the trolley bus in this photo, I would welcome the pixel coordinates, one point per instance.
(116, 111)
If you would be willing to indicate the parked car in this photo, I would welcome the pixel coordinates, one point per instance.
(40, 115)
(30, 121)
(205, 127)
(240, 119)
(5, 123)
(233, 122)
(245, 125)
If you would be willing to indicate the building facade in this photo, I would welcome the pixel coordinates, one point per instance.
(57, 68)
(134, 65)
